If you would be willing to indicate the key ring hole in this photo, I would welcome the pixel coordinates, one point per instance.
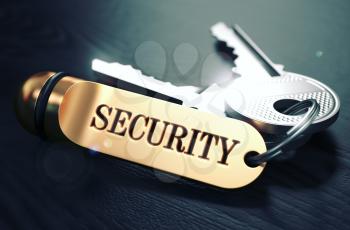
(247, 161)
(282, 105)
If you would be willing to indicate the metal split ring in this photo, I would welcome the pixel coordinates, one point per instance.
(293, 133)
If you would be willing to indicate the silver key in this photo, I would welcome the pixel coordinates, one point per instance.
(264, 88)
(187, 94)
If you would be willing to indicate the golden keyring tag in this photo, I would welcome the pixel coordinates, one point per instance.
(146, 130)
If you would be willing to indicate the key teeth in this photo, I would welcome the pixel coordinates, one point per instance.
(136, 77)
(279, 67)
(131, 69)
(220, 37)
(216, 31)
(235, 72)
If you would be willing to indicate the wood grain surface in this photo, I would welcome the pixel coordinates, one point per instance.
(60, 186)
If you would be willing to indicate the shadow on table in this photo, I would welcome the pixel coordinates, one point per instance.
(310, 167)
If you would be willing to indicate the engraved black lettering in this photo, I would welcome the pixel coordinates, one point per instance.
(156, 129)
(118, 119)
(133, 124)
(206, 148)
(226, 151)
(175, 135)
(195, 133)
(100, 115)
(152, 129)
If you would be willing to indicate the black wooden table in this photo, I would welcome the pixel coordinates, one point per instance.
(58, 186)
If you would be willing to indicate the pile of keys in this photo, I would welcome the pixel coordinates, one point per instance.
(221, 135)
(261, 93)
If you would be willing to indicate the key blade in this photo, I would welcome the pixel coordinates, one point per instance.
(127, 73)
(264, 60)
(251, 61)
(208, 99)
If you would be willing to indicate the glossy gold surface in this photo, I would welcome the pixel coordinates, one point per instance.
(78, 109)
(27, 97)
